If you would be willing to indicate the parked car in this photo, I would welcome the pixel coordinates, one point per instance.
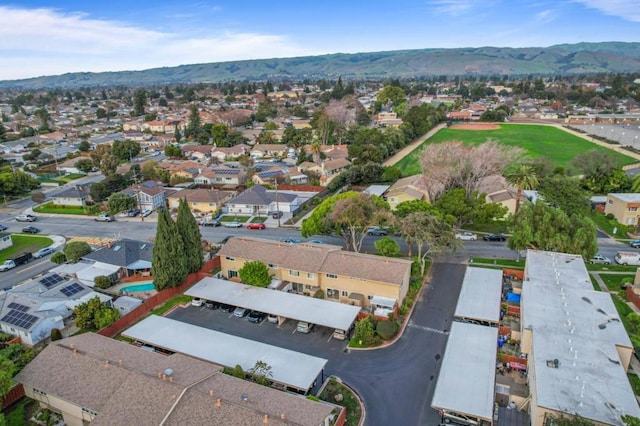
(43, 252)
(634, 243)
(26, 218)
(30, 230)
(3, 228)
(146, 212)
(227, 308)
(290, 240)
(256, 317)
(600, 260)
(256, 226)
(104, 218)
(16, 261)
(315, 242)
(232, 224)
(377, 231)
(133, 212)
(494, 237)
(196, 301)
(304, 327)
(211, 305)
(466, 236)
(240, 312)
(627, 258)
(276, 215)
(210, 223)
(272, 318)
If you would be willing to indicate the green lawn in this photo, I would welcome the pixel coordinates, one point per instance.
(608, 225)
(23, 244)
(259, 219)
(635, 383)
(57, 209)
(232, 218)
(507, 263)
(614, 281)
(539, 141)
(349, 400)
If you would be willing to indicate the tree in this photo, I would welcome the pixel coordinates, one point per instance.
(469, 209)
(194, 123)
(261, 373)
(348, 215)
(84, 146)
(431, 234)
(594, 165)
(58, 258)
(139, 102)
(630, 420)
(544, 227)
(74, 250)
(364, 331)
(169, 264)
(125, 150)
(391, 93)
(522, 176)
(219, 133)
(94, 315)
(387, 246)
(191, 237)
(173, 151)
(564, 193)
(84, 165)
(255, 273)
(104, 160)
(102, 282)
(7, 370)
(56, 334)
(119, 202)
(407, 207)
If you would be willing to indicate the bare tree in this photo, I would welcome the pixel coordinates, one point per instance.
(456, 165)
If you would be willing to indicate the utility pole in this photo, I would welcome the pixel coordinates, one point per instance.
(137, 185)
(277, 206)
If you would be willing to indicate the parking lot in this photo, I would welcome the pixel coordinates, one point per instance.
(317, 343)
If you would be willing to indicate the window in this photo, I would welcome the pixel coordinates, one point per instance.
(345, 293)
(297, 287)
(631, 220)
(232, 274)
(632, 209)
(310, 275)
(332, 276)
(272, 265)
(610, 201)
(39, 392)
(294, 273)
(307, 287)
(393, 199)
(333, 294)
(231, 259)
(369, 297)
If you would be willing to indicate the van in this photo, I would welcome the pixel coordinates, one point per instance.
(627, 258)
(304, 327)
(339, 334)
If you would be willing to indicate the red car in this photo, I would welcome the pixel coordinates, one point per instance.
(256, 226)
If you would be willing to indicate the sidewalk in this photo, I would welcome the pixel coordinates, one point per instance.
(413, 145)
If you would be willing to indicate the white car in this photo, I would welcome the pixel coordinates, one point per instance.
(43, 252)
(146, 212)
(466, 236)
(196, 301)
(26, 218)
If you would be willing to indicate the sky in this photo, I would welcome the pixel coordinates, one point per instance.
(49, 38)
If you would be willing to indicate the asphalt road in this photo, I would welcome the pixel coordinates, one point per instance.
(397, 382)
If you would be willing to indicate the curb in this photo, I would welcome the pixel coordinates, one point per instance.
(363, 410)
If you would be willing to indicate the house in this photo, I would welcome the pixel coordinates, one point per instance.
(127, 256)
(103, 381)
(577, 349)
(326, 169)
(185, 169)
(388, 119)
(150, 195)
(273, 174)
(126, 304)
(5, 240)
(201, 200)
(225, 153)
(227, 175)
(624, 207)
(258, 201)
(269, 150)
(32, 309)
(74, 196)
(497, 190)
(69, 166)
(197, 151)
(408, 189)
(344, 276)
(155, 126)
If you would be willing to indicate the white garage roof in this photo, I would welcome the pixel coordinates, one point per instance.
(466, 383)
(480, 295)
(288, 305)
(291, 368)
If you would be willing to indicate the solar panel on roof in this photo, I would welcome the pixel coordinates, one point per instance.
(51, 280)
(72, 289)
(18, 307)
(19, 319)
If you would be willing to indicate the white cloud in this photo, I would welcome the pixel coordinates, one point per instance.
(545, 16)
(625, 9)
(36, 42)
(453, 7)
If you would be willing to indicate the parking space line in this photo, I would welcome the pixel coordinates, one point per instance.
(294, 330)
(329, 339)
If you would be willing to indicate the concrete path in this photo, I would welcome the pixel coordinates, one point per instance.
(413, 145)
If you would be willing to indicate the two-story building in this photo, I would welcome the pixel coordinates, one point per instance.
(200, 200)
(149, 195)
(355, 278)
(624, 207)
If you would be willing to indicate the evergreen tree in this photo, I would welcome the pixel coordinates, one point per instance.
(169, 267)
(194, 124)
(191, 238)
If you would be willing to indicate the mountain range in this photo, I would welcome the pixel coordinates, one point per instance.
(562, 59)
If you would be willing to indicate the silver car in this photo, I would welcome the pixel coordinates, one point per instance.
(599, 259)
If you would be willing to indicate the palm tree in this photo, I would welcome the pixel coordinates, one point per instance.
(316, 149)
(522, 176)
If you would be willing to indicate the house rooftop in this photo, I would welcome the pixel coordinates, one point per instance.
(627, 197)
(123, 253)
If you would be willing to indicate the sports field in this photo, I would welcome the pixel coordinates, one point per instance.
(539, 141)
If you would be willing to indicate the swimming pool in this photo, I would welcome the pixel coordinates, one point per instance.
(137, 288)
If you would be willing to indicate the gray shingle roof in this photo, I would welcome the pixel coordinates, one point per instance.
(78, 191)
(123, 252)
(258, 196)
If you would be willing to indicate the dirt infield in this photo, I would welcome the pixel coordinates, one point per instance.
(475, 126)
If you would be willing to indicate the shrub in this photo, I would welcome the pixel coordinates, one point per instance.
(75, 250)
(58, 258)
(238, 372)
(55, 334)
(386, 329)
(102, 282)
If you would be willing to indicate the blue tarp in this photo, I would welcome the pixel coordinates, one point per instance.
(513, 298)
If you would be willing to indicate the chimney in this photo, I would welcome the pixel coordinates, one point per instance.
(218, 403)
(75, 353)
(210, 393)
(120, 362)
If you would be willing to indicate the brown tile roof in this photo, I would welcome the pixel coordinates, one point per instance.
(338, 163)
(130, 391)
(410, 185)
(300, 257)
(203, 195)
(366, 266)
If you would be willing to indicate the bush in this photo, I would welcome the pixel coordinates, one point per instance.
(55, 334)
(386, 329)
(102, 282)
(75, 250)
(58, 258)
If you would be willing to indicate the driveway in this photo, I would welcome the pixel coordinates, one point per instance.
(397, 382)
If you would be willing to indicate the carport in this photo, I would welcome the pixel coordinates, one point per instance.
(480, 297)
(285, 305)
(466, 384)
(294, 370)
